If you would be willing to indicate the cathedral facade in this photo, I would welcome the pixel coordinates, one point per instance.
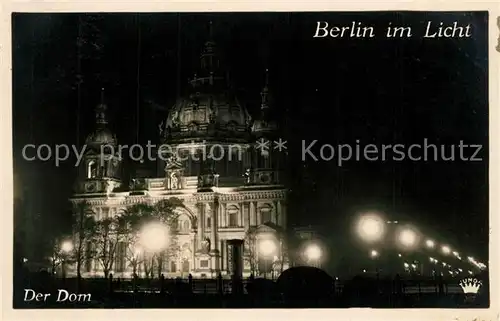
(213, 159)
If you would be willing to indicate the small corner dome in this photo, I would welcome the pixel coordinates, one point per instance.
(101, 136)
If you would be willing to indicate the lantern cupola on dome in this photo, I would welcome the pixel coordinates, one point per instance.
(102, 135)
(210, 110)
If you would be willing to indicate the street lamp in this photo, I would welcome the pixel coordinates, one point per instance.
(313, 253)
(154, 237)
(430, 244)
(371, 227)
(407, 238)
(267, 248)
(446, 249)
(374, 255)
(137, 251)
(66, 248)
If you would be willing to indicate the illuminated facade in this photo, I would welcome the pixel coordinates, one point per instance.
(228, 186)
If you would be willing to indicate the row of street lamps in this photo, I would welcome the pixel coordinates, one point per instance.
(372, 227)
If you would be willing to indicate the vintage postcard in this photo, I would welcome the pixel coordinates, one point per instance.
(277, 159)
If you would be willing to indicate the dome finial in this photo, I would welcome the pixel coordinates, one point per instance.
(102, 96)
(100, 112)
(265, 92)
(210, 31)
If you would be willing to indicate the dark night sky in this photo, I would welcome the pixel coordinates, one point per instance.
(378, 90)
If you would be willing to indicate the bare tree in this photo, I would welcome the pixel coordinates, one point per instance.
(282, 259)
(135, 217)
(149, 264)
(173, 250)
(57, 256)
(84, 226)
(105, 240)
(251, 250)
(133, 257)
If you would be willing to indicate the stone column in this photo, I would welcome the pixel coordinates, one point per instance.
(258, 217)
(219, 215)
(240, 214)
(223, 214)
(253, 219)
(213, 227)
(283, 213)
(214, 238)
(192, 266)
(223, 253)
(201, 225)
(246, 216)
(277, 214)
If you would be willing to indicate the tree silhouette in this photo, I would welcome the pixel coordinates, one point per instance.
(135, 217)
(84, 227)
(105, 240)
(251, 250)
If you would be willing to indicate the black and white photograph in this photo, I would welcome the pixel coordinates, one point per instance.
(228, 160)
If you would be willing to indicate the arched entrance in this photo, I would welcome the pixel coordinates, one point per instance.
(185, 266)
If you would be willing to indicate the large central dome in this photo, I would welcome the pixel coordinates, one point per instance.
(210, 110)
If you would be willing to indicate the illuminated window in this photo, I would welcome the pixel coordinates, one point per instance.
(232, 216)
(233, 219)
(265, 215)
(92, 169)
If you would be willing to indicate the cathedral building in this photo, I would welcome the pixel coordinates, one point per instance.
(216, 159)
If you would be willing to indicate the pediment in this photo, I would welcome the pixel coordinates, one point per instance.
(266, 228)
(91, 152)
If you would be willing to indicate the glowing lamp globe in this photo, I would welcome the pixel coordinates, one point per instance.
(313, 252)
(67, 246)
(407, 238)
(371, 228)
(154, 237)
(267, 247)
